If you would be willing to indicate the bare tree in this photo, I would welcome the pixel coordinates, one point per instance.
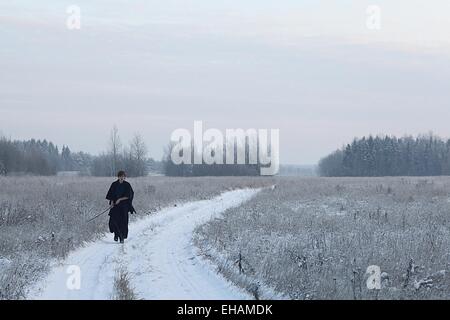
(115, 146)
(138, 151)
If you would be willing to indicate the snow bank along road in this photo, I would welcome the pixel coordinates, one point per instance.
(159, 257)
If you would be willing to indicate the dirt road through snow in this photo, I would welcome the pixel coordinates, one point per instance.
(159, 257)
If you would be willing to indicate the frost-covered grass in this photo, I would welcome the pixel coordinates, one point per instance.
(44, 218)
(122, 286)
(313, 238)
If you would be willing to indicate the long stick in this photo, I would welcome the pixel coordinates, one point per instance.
(95, 217)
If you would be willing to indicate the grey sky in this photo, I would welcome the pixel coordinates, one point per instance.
(310, 68)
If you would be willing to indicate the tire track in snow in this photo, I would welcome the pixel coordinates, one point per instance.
(159, 257)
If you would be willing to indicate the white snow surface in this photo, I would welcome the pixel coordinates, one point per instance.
(158, 255)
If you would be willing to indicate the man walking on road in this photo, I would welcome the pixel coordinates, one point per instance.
(120, 196)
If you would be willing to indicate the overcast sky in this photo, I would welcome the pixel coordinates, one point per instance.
(309, 68)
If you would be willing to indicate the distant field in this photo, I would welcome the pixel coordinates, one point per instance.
(313, 238)
(45, 217)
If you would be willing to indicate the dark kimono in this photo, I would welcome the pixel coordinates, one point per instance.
(118, 215)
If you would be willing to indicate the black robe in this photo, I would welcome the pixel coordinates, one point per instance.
(118, 215)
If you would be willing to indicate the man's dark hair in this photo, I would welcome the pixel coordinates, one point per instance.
(121, 173)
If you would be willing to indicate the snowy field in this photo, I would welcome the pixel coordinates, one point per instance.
(158, 257)
(228, 238)
(43, 219)
(314, 238)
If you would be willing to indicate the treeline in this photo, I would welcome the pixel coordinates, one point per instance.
(425, 155)
(132, 158)
(40, 157)
(196, 170)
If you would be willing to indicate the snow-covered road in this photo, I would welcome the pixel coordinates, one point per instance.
(158, 255)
